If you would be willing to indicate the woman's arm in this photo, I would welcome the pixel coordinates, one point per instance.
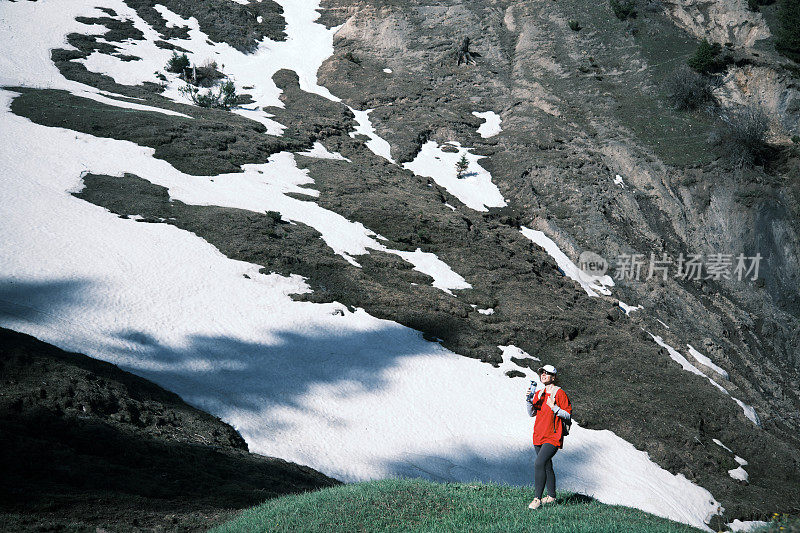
(533, 406)
(561, 413)
(562, 407)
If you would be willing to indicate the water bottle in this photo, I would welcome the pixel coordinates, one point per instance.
(531, 390)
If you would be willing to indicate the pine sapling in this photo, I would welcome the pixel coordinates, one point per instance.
(461, 166)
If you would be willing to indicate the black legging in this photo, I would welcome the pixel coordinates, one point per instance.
(543, 470)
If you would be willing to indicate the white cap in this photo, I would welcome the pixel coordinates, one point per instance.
(550, 369)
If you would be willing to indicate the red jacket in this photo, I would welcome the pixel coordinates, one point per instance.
(548, 429)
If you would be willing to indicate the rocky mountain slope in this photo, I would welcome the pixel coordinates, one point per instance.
(578, 109)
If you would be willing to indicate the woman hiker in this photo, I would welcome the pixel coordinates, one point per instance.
(550, 405)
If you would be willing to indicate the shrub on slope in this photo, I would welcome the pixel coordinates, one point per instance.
(787, 39)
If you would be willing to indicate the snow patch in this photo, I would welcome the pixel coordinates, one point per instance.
(590, 283)
(273, 126)
(475, 189)
(387, 70)
(376, 144)
(319, 151)
(749, 412)
(618, 181)
(444, 277)
(628, 308)
(719, 443)
(736, 473)
(489, 311)
(739, 474)
(702, 359)
(681, 360)
(746, 525)
(514, 351)
(507, 365)
(491, 124)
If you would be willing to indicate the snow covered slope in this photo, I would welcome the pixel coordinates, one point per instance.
(350, 395)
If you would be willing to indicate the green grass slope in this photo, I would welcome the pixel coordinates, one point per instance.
(415, 505)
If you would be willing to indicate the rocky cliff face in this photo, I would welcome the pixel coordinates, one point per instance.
(728, 21)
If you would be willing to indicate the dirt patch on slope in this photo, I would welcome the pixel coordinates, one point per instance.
(213, 142)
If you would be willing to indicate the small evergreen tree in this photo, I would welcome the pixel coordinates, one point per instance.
(461, 166)
(177, 63)
(224, 98)
(787, 38)
(228, 95)
(705, 59)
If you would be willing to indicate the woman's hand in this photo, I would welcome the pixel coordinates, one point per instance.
(551, 401)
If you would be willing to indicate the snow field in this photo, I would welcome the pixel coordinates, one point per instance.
(443, 419)
(475, 190)
(260, 188)
(307, 45)
(29, 31)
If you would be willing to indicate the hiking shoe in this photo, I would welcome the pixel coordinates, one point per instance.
(548, 499)
(535, 503)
